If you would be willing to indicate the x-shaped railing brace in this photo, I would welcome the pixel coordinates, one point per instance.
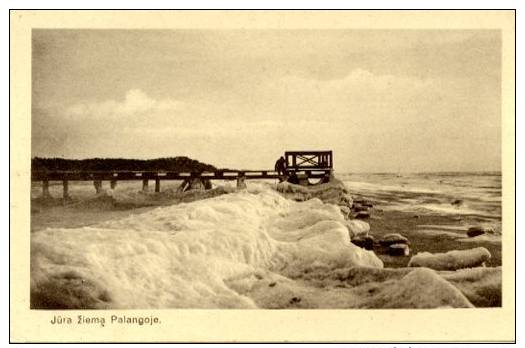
(307, 160)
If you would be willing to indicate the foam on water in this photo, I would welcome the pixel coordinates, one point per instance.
(459, 232)
(439, 208)
(477, 194)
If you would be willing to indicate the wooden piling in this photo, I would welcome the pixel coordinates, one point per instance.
(65, 189)
(184, 185)
(240, 181)
(145, 183)
(196, 183)
(45, 188)
(98, 186)
(157, 185)
(113, 184)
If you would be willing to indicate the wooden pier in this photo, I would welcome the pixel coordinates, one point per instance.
(300, 166)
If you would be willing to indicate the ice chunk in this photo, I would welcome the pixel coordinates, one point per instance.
(334, 192)
(357, 227)
(451, 260)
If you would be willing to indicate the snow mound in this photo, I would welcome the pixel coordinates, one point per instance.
(188, 255)
(451, 260)
(357, 287)
(125, 195)
(481, 285)
(334, 192)
(421, 288)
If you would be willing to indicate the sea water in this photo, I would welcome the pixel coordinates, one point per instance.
(474, 194)
(468, 199)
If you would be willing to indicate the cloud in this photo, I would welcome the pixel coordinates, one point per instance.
(372, 121)
(361, 96)
(360, 80)
(135, 103)
(381, 99)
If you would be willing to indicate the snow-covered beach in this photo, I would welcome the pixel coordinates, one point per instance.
(268, 246)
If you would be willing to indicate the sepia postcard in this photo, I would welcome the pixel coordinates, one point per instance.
(262, 176)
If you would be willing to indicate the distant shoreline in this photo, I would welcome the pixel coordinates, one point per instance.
(179, 163)
(444, 173)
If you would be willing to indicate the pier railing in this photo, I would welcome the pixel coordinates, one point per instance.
(114, 176)
(301, 160)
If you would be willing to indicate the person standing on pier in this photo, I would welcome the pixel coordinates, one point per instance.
(280, 166)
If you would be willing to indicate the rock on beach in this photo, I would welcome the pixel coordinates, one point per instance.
(366, 242)
(363, 202)
(393, 238)
(362, 215)
(357, 208)
(478, 231)
(399, 249)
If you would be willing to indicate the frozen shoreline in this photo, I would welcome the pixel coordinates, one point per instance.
(272, 252)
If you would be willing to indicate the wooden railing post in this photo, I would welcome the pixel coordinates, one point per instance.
(113, 184)
(145, 183)
(157, 185)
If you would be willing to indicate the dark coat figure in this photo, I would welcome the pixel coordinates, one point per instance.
(280, 166)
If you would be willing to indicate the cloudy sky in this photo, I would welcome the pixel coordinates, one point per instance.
(383, 101)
